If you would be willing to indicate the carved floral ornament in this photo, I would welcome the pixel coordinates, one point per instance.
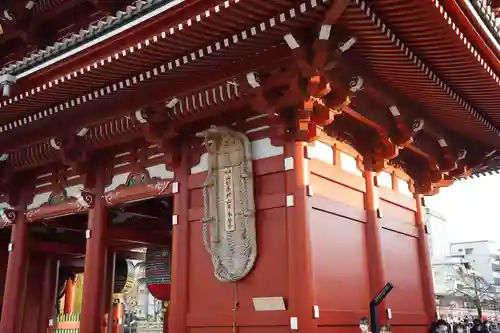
(62, 205)
(85, 199)
(138, 185)
(8, 217)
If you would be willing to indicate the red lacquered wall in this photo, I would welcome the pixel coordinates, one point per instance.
(313, 250)
(202, 303)
(341, 252)
(338, 237)
(400, 255)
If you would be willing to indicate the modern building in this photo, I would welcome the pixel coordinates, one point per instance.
(439, 244)
(449, 275)
(483, 256)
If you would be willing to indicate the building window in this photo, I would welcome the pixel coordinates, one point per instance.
(496, 281)
(403, 187)
(322, 151)
(349, 163)
(385, 179)
(469, 250)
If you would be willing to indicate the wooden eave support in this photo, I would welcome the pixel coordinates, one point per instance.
(381, 151)
(131, 101)
(382, 92)
(261, 101)
(451, 159)
(159, 127)
(72, 148)
(337, 8)
(320, 100)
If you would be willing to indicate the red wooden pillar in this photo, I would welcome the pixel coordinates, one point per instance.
(425, 262)
(300, 278)
(95, 265)
(180, 248)
(47, 299)
(374, 239)
(15, 282)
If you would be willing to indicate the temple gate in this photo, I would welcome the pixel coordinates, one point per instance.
(276, 154)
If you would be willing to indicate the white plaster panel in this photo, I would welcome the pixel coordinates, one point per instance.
(5, 205)
(348, 163)
(384, 179)
(39, 199)
(261, 149)
(258, 129)
(403, 187)
(264, 149)
(160, 171)
(74, 191)
(321, 151)
(202, 166)
(117, 181)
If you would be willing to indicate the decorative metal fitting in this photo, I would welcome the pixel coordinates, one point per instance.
(6, 81)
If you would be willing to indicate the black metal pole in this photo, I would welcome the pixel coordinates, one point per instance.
(373, 317)
(375, 302)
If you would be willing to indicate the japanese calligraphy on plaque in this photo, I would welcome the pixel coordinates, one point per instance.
(229, 200)
(229, 222)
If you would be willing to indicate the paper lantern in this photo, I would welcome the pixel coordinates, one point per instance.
(158, 271)
(124, 276)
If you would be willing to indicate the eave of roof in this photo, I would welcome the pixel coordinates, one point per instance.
(488, 170)
(484, 12)
(96, 33)
(480, 17)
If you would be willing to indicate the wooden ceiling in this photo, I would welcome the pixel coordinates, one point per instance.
(29, 25)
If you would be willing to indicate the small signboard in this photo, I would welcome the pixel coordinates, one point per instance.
(269, 304)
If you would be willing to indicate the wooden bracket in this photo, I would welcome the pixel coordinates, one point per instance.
(71, 149)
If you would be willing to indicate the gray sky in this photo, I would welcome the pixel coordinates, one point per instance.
(472, 208)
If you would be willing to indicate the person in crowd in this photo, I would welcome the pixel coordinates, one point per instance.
(386, 328)
(439, 326)
(459, 328)
(477, 327)
(488, 326)
(468, 327)
(364, 325)
(442, 326)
